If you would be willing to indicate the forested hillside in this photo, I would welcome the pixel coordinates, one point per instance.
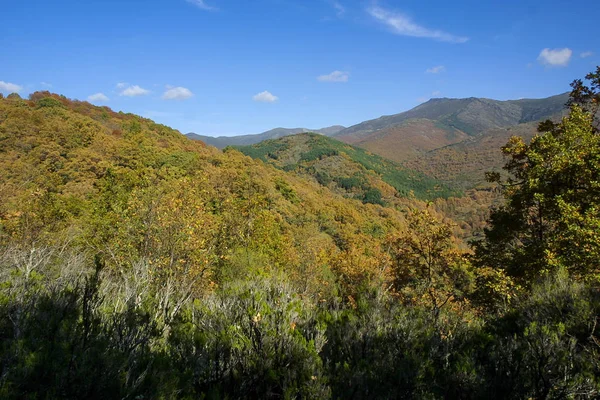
(138, 264)
(121, 184)
(460, 165)
(348, 169)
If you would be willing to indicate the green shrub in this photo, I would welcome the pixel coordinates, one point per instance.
(318, 154)
(49, 102)
(349, 183)
(252, 340)
(372, 196)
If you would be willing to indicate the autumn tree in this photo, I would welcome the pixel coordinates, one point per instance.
(426, 267)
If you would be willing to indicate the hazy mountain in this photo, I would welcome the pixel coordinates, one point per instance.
(442, 122)
(331, 130)
(245, 140)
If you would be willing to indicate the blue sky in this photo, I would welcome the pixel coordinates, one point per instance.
(225, 67)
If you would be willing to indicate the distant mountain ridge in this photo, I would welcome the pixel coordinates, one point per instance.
(453, 140)
(470, 115)
(443, 122)
(246, 140)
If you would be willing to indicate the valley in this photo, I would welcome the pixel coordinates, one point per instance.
(453, 140)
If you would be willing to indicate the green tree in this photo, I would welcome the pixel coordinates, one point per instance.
(552, 196)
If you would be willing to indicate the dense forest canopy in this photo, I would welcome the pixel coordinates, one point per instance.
(136, 263)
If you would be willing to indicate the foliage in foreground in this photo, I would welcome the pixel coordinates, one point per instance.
(72, 329)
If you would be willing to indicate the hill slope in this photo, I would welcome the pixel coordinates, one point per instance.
(245, 140)
(463, 165)
(344, 168)
(128, 189)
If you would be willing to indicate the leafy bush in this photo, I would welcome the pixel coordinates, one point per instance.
(318, 154)
(372, 196)
(286, 191)
(62, 322)
(349, 183)
(252, 340)
(49, 102)
(546, 347)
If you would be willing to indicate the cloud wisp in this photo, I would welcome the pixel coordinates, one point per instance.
(400, 24)
(201, 4)
(132, 91)
(435, 70)
(335, 76)
(434, 94)
(555, 57)
(586, 54)
(177, 93)
(265, 97)
(340, 10)
(98, 98)
(8, 87)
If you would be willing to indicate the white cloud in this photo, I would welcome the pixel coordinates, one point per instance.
(121, 85)
(177, 93)
(46, 84)
(340, 10)
(586, 54)
(403, 25)
(10, 87)
(98, 97)
(265, 97)
(335, 76)
(435, 70)
(134, 90)
(555, 57)
(201, 4)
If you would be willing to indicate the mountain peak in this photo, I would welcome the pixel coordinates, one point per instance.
(470, 115)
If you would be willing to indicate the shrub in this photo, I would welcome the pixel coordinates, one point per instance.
(372, 196)
(252, 340)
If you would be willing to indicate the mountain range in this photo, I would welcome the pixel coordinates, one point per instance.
(442, 122)
(433, 125)
(450, 142)
(245, 140)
